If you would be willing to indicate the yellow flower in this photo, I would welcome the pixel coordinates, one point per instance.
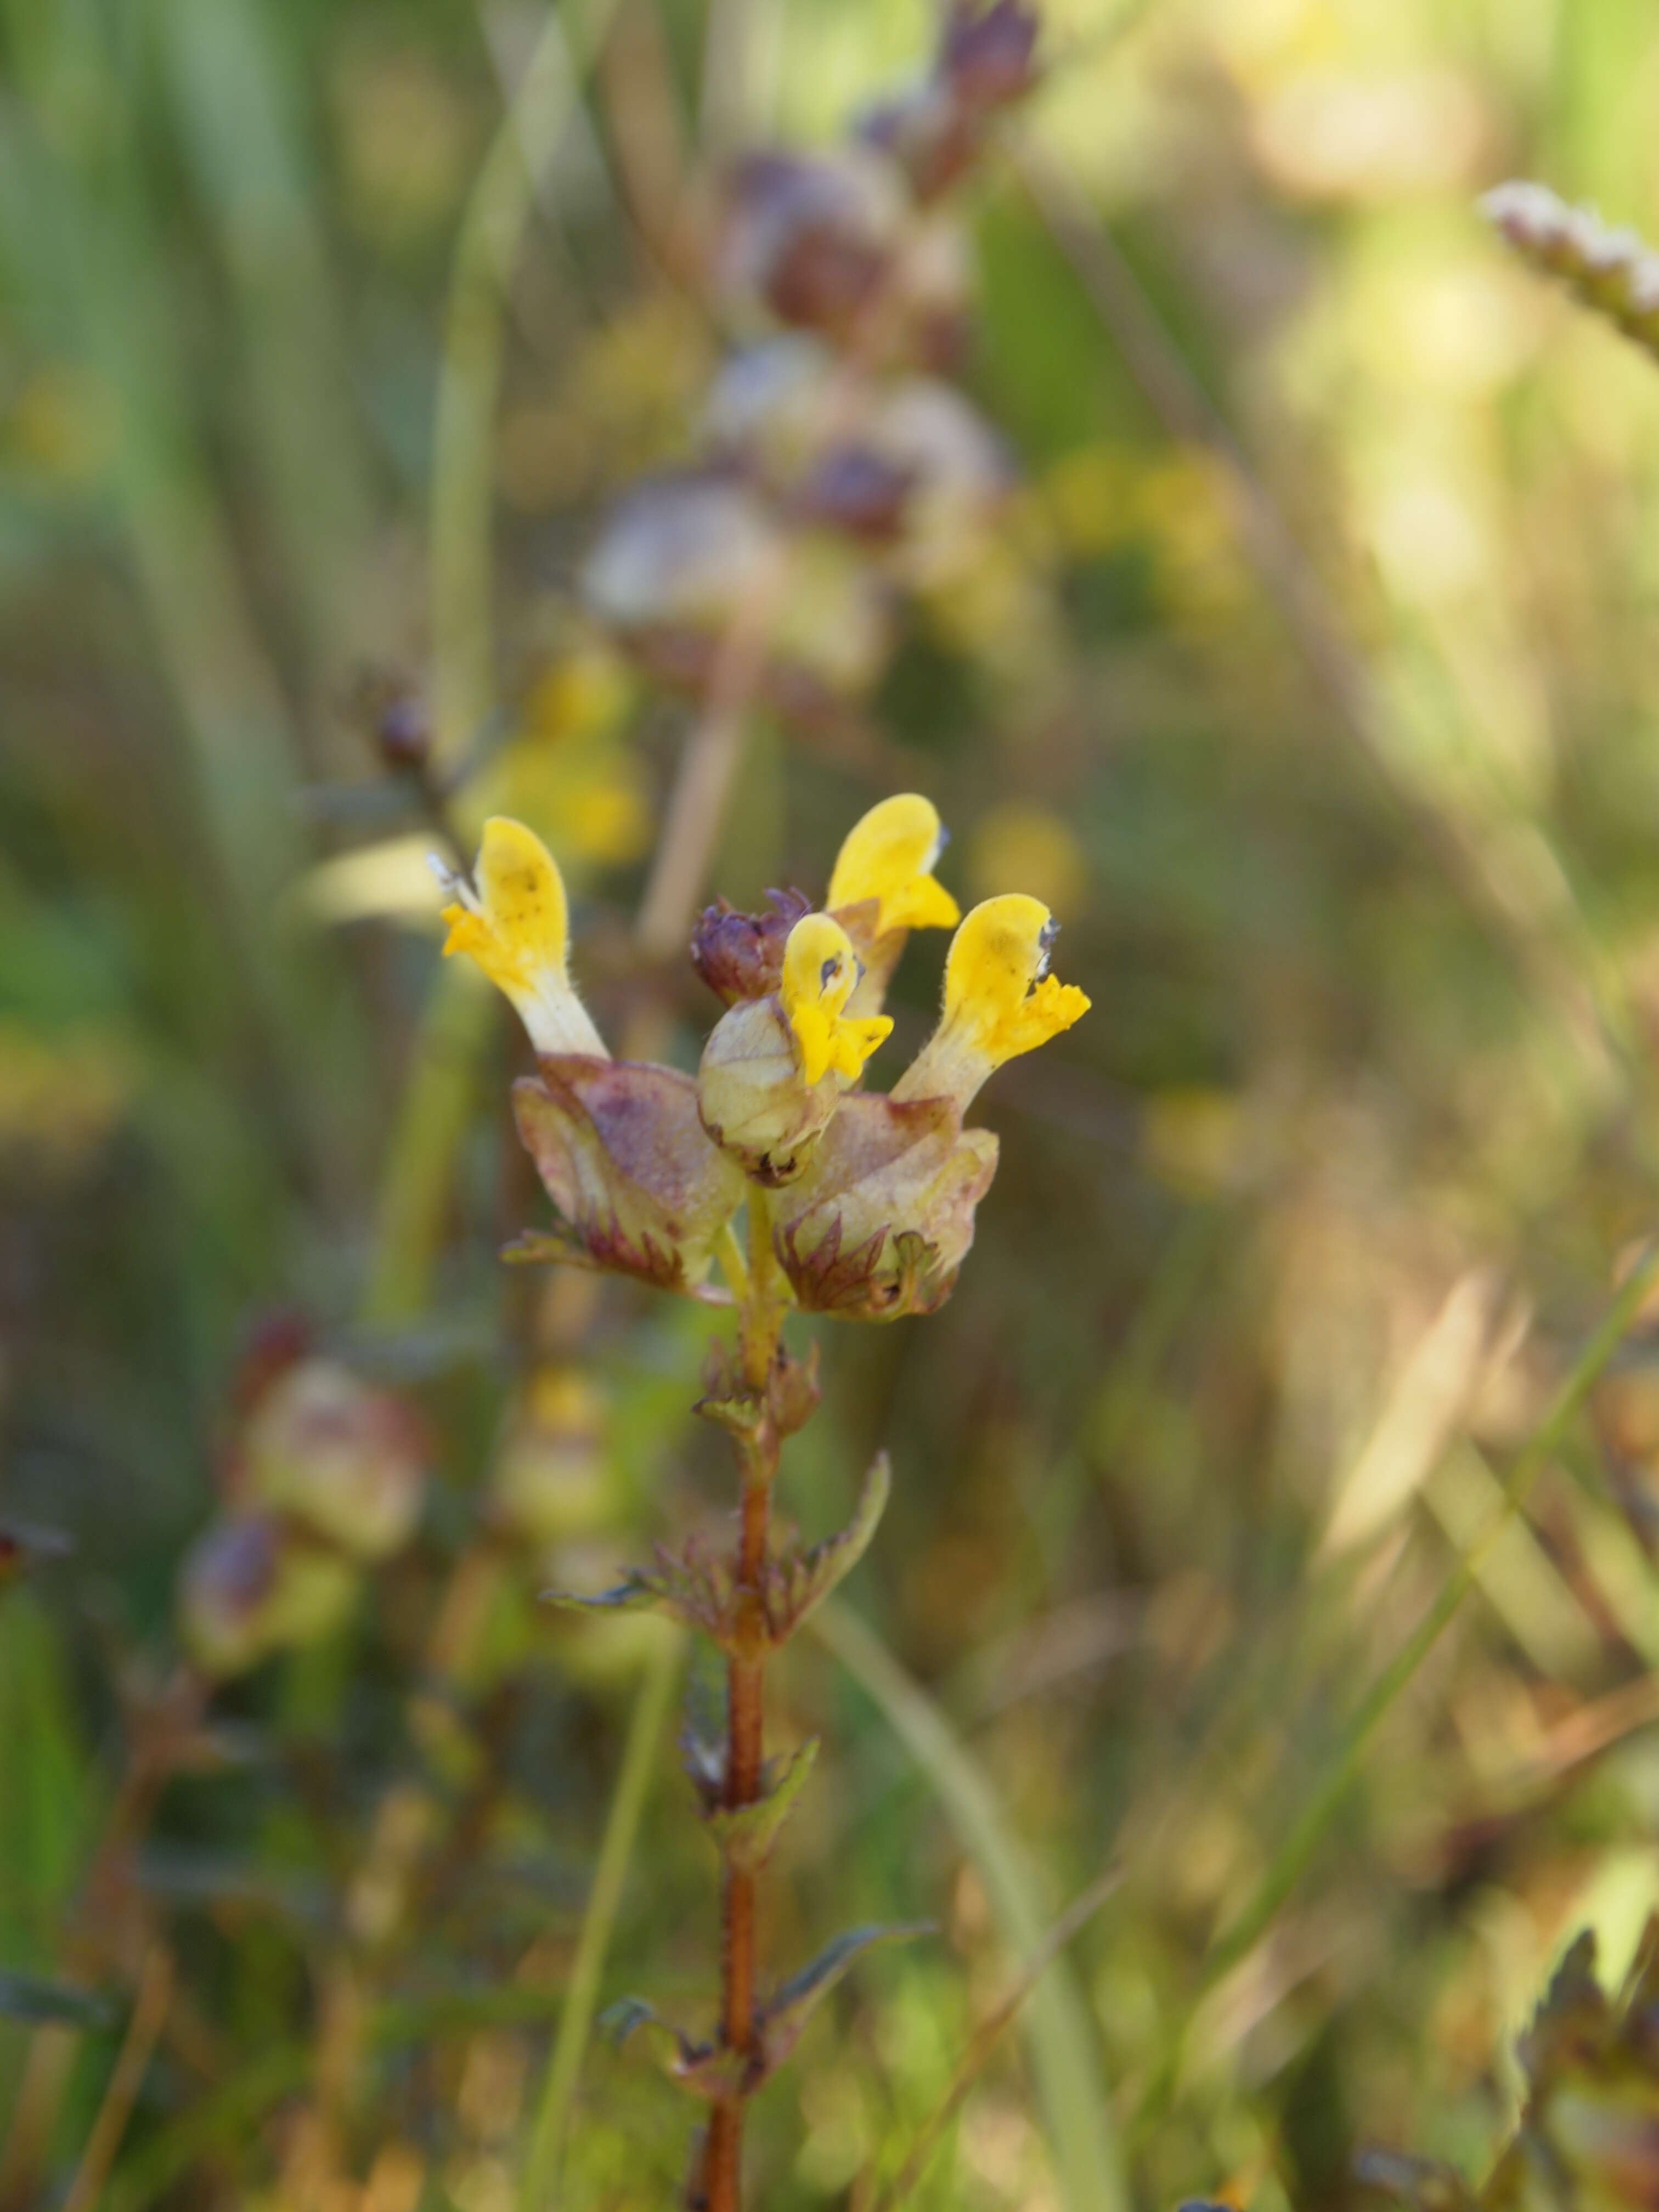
(882, 887)
(820, 973)
(774, 1068)
(516, 925)
(888, 857)
(1000, 1000)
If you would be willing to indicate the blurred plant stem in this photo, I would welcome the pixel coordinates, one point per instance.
(240, 131)
(988, 2034)
(539, 2188)
(469, 373)
(460, 1013)
(77, 210)
(1291, 1859)
(150, 2009)
(1064, 2058)
(110, 1924)
(219, 2119)
(439, 1096)
(703, 787)
(1470, 853)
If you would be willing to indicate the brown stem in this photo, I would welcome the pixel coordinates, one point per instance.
(698, 804)
(149, 2011)
(760, 1333)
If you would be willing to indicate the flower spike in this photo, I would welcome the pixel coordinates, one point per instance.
(888, 856)
(820, 973)
(999, 1000)
(516, 925)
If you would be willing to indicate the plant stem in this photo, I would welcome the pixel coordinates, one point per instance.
(651, 1701)
(708, 765)
(149, 2011)
(470, 371)
(760, 1331)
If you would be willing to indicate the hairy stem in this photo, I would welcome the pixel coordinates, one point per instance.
(760, 1331)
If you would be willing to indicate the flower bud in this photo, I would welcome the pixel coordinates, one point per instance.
(859, 491)
(347, 1462)
(773, 1069)
(880, 1223)
(1611, 269)
(808, 236)
(959, 472)
(681, 553)
(249, 1587)
(552, 1476)
(767, 406)
(740, 956)
(684, 561)
(754, 1101)
(779, 411)
(622, 1152)
(988, 56)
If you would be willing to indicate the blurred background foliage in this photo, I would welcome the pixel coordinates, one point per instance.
(1306, 675)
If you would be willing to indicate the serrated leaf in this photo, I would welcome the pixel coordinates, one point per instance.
(745, 1834)
(534, 1248)
(695, 1589)
(792, 2005)
(43, 2003)
(740, 1412)
(810, 1577)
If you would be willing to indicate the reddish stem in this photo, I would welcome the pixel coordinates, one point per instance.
(722, 2165)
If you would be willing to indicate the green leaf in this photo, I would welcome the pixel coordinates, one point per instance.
(695, 1589)
(810, 1576)
(792, 2005)
(45, 1810)
(635, 1593)
(746, 1833)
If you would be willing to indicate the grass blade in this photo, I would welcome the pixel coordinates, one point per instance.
(1062, 2041)
(538, 2187)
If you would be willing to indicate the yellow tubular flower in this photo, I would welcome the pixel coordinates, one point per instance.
(820, 973)
(888, 856)
(516, 925)
(1000, 1000)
